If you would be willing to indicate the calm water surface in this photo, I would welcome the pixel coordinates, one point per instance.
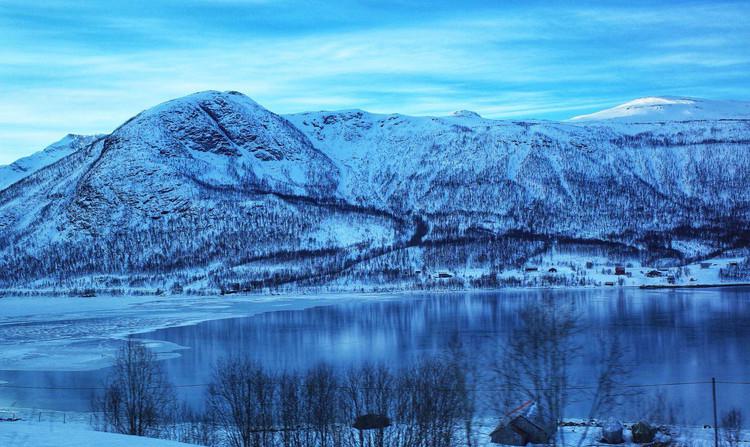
(671, 336)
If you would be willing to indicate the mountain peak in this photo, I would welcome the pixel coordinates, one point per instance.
(670, 108)
(206, 96)
(466, 114)
(223, 123)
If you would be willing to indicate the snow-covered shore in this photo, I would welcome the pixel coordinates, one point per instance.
(553, 268)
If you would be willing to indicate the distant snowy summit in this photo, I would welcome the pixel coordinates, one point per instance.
(26, 166)
(466, 114)
(669, 108)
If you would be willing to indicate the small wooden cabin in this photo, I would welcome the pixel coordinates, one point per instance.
(523, 425)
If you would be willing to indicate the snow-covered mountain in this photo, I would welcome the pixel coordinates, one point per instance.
(26, 166)
(670, 108)
(214, 192)
(463, 172)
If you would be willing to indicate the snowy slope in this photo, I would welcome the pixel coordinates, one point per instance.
(26, 166)
(669, 108)
(164, 160)
(198, 182)
(464, 171)
(215, 191)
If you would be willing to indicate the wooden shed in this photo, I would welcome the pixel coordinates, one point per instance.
(523, 425)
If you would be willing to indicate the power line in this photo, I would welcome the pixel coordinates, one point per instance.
(732, 383)
(580, 387)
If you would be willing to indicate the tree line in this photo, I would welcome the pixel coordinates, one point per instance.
(428, 404)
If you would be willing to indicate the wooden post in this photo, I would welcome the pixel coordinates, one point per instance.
(716, 420)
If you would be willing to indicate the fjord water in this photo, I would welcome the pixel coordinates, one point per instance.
(671, 336)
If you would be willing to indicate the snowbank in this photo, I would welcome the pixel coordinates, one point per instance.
(31, 433)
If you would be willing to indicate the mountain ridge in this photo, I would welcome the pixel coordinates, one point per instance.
(627, 112)
(25, 166)
(214, 192)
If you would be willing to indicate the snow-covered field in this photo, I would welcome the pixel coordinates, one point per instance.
(603, 272)
(75, 431)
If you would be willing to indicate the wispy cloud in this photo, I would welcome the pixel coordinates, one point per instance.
(86, 67)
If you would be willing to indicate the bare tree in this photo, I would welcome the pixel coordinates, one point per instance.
(429, 407)
(241, 401)
(138, 399)
(661, 409)
(290, 410)
(465, 378)
(321, 404)
(535, 360)
(194, 427)
(731, 427)
(609, 393)
(368, 393)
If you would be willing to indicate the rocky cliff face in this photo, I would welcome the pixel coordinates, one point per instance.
(163, 161)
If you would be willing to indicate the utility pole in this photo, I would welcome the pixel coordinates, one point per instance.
(716, 422)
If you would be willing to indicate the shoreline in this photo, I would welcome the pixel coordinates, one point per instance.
(692, 286)
(306, 293)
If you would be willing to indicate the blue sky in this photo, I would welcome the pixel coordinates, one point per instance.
(87, 66)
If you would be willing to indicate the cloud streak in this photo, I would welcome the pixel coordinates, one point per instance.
(512, 62)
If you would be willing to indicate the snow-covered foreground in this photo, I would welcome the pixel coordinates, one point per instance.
(75, 431)
(76, 334)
